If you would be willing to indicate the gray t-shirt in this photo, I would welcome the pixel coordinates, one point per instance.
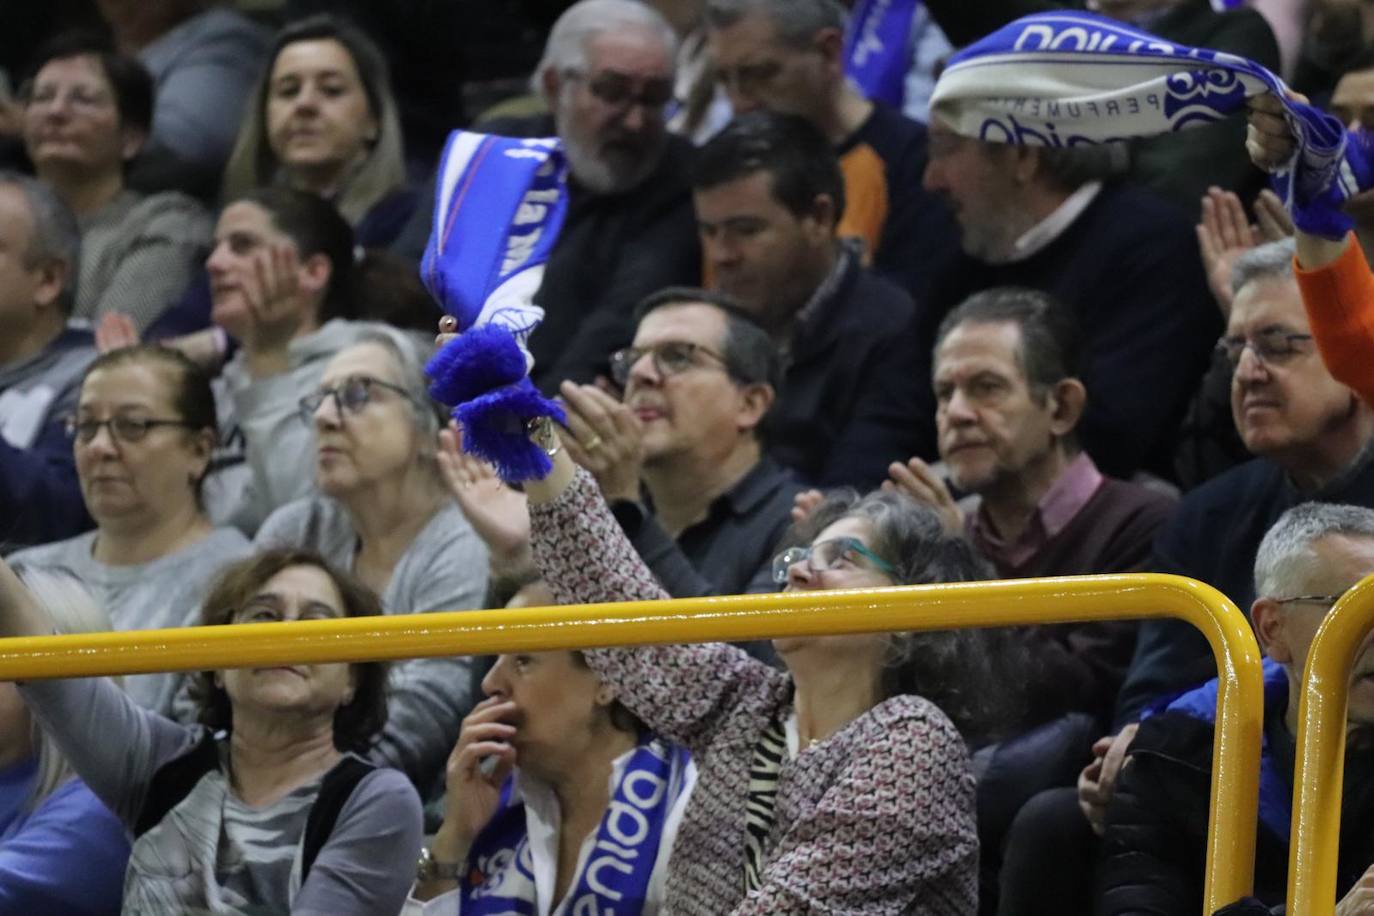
(444, 569)
(212, 853)
(166, 592)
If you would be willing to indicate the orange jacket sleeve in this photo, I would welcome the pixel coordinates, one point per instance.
(1339, 299)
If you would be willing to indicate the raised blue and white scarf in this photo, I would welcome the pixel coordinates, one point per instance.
(877, 48)
(616, 875)
(498, 207)
(1070, 78)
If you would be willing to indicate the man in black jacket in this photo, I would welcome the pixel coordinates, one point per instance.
(607, 75)
(1155, 842)
(1125, 263)
(681, 459)
(856, 388)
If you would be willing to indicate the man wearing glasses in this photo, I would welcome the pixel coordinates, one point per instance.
(607, 78)
(1311, 438)
(856, 393)
(1154, 842)
(41, 364)
(681, 459)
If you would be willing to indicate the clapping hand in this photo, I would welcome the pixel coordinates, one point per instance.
(606, 438)
(917, 480)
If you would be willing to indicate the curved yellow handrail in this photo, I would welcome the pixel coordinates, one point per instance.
(1321, 752)
(1235, 776)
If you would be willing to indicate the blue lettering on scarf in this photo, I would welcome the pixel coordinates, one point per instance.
(619, 868)
(877, 48)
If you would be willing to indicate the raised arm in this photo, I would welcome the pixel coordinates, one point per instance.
(683, 692)
(112, 743)
(1333, 276)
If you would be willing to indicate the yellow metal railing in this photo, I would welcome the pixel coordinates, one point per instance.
(1321, 752)
(1235, 775)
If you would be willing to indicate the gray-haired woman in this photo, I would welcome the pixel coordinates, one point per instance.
(383, 512)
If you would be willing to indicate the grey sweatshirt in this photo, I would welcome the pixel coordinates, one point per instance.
(444, 569)
(166, 592)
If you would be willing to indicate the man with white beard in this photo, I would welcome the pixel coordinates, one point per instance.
(607, 78)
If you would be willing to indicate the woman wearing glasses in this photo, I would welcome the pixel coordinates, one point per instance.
(143, 432)
(383, 512)
(836, 785)
(264, 805)
(285, 285)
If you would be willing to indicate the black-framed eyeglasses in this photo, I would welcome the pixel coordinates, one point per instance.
(1274, 346)
(350, 397)
(1328, 600)
(672, 357)
(125, 429)
(825, 555)
(620, 90)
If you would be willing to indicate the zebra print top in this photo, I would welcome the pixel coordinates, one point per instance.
(761, 806)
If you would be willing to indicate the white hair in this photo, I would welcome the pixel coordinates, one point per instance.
(1272, 260)
(1286, 554)
(566, 48)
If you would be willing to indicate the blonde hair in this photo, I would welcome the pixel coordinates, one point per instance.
(72, 610)
(253, 164)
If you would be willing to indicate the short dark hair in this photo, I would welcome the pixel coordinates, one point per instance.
(357, 724)
(193, 397)
(751, 357)
(1049, 335)
(798, 158)
(317, 227)
(130, 82)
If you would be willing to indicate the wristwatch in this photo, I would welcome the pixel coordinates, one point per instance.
(543, 434)
(429, 868)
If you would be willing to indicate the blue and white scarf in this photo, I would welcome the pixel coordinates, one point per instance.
(1069, 78)
(877, 48)
(499, 205)
(616, 875)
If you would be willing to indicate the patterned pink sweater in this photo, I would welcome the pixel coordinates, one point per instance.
(878, 818)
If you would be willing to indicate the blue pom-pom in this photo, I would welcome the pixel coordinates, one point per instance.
(494, 429)
(477, 361)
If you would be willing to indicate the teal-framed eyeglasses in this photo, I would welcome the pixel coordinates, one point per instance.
(825, 555)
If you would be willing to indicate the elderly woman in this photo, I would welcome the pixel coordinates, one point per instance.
(323, 119)
(143, 431)
(284, 285)
(265, 806)
(836, 785)
(61, 850)
(384, 513)
(87, 111)
(541, 773)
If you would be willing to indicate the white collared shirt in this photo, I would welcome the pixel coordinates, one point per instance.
(1038, 237)
(543, 819)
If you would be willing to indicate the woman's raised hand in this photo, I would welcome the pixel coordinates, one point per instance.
(498, 513)
(917, 480)
(1222, 237)
(272, 292)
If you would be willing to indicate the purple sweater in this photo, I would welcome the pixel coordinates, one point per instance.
(876, 819)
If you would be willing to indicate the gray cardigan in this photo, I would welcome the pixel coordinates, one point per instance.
(444, 569)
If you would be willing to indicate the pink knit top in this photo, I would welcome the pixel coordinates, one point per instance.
(877, 818)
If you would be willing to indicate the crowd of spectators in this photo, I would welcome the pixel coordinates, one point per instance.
(805, 340)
